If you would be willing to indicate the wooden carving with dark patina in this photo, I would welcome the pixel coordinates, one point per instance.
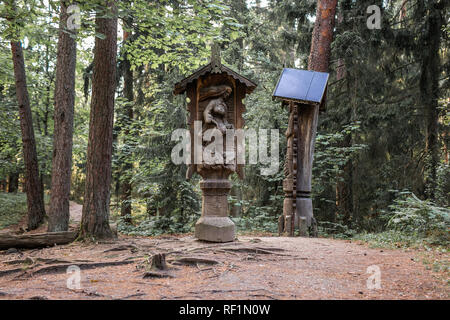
(215, 95)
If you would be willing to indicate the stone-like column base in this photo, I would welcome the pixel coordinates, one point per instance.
(215, 229)
(214, 224)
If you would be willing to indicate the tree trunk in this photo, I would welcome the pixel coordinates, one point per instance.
(344, 197)
(429, 89)
(127, 167)
(33, 186)
(322, 37)
(63, 122)
(13, 182)
(308, 115)
(344, 184)
(95, 218)
(3, 184)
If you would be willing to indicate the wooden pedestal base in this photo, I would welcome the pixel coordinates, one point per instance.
(215, 225)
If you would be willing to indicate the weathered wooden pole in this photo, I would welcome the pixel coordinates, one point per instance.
(298, 208)
(304, 92)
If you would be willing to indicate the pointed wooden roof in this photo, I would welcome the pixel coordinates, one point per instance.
(215, 66)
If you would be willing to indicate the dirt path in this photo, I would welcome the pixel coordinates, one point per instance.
(250, 268)
(75, 212)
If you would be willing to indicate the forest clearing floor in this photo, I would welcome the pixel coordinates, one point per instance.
(20, 227)
(250, 268)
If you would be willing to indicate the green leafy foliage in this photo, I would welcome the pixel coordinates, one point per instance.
(334, 230)
(154, 226)
(390, 239)
(176, 34)
(13, 207)
(257, 218)
(421, 218)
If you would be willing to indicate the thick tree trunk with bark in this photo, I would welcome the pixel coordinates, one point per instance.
(95, 219)
(33, 186)
(63, 122)
(322, 37)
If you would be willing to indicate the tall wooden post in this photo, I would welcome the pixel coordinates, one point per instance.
(307, 114)
(304, 92)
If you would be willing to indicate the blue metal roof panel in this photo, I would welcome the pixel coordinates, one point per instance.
(317, 87)
(303, 85)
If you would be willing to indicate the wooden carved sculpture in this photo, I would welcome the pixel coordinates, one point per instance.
(287, 220)
(215, 117)
(215, 95)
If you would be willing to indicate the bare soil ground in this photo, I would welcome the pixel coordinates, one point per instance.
(249, 268)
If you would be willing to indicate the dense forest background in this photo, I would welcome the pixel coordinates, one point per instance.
(382, 149)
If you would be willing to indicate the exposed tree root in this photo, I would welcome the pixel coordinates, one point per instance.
(11, 271)
(253, 250)
(131, 247)
(61, 268)
(152, 274)
(30, 261)
(222, 291)
(193, 261)
(132, 296)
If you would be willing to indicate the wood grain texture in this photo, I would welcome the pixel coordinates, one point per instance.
(37, 240)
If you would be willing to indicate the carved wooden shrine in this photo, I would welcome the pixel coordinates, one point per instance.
(303, 91)
(215, 95)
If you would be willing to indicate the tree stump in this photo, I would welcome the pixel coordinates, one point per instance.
(158, 262)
